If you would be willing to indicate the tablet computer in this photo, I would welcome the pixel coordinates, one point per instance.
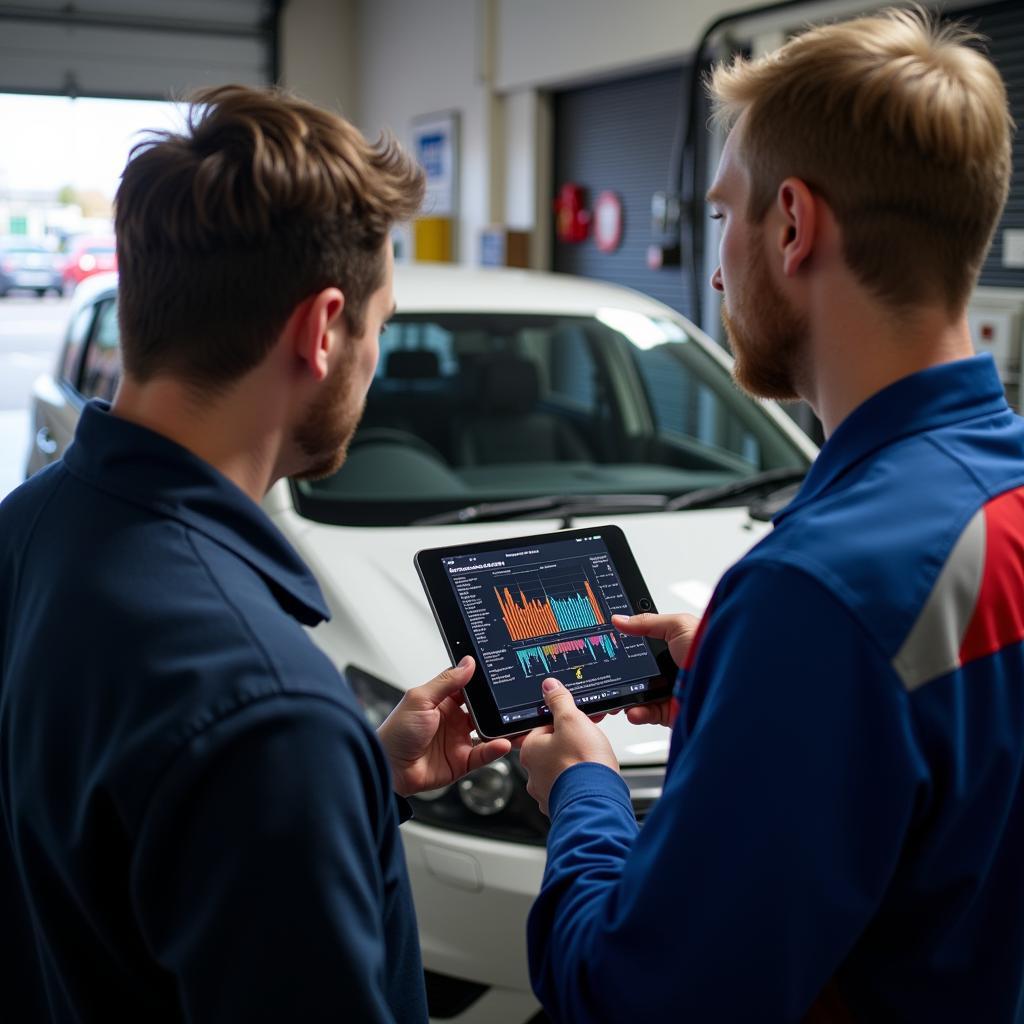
(530, 607)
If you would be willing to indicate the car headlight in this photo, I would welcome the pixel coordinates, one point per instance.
(490, 802)
(378, 698)
(488, 790)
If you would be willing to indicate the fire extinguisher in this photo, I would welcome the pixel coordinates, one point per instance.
(572, 218)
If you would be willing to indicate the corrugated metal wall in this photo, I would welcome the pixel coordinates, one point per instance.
(1004, 25)
(618, 135)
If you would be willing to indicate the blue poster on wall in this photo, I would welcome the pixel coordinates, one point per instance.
(435, 146)
(430, 153)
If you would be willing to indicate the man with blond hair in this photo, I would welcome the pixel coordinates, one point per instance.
(198, 822)
(841, 830)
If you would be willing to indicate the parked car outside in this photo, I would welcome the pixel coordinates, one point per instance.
(28, 264)
(504, 403)
(86, 257)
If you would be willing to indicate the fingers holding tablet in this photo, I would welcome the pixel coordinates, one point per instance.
(543, 605)
(677, 631)
(571, 738)
(428, 737)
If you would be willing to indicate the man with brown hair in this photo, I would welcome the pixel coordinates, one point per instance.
(198, 822)
(841, 830)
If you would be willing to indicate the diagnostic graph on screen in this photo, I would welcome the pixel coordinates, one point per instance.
(546, 609)
(567, 654)
(554, 605)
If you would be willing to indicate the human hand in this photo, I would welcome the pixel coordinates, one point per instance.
(678, 632)
(572, 738)
(427, 737)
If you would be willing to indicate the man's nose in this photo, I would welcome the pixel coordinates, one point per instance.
(716, 280)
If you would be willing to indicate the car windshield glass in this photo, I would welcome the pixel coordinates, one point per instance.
(470, 408)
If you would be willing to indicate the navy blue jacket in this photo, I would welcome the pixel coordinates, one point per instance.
(842, 823)
(198, 823)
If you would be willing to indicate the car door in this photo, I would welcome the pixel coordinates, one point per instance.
(101, 361)
(56, 399)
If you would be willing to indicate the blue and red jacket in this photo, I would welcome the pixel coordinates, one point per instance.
(841, 831)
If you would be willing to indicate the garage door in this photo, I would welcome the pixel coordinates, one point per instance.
(618, 136)
(140, 49)
(1003, 24)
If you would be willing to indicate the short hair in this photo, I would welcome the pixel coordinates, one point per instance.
(223, 229)
(902, 125)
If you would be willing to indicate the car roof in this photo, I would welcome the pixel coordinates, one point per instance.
(450, 288)
(422, 287)
(94, 286)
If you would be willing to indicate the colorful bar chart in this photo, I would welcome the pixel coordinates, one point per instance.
(545, 654)
(526, 619)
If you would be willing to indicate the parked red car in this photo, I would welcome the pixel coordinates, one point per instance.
(88, 256)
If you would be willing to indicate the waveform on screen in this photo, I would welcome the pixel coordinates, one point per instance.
(526, 619)
(547, 654)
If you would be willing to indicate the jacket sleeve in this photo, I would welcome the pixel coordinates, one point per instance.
(778, 829)
(258, 880)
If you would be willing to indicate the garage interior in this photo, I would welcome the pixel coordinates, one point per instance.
(582, 145)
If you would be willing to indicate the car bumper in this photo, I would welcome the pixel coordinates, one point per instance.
(472, 899)
(473, 896)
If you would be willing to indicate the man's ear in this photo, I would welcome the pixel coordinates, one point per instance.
(797, 226)
(311, 328)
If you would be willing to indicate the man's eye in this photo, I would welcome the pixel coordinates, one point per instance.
(716, 216)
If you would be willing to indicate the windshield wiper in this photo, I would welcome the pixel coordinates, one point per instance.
(566, 506)
(739, 491)
(549, 506)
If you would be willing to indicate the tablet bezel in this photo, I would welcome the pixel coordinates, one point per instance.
(458, 642)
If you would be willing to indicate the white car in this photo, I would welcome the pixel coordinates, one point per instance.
(505, 403)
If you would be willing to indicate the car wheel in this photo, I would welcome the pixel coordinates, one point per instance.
(41, 293)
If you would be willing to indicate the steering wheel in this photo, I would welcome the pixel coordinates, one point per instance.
(393, 435)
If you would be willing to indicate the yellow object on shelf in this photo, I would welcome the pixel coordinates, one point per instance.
(432, 240)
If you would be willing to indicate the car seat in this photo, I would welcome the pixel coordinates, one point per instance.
(505, 426)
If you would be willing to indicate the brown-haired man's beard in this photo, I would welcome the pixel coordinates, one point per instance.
(767, 336)
(332, 420)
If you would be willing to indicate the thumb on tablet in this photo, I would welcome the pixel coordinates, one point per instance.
(557, 698)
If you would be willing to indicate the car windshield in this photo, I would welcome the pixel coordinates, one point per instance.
(488, 408)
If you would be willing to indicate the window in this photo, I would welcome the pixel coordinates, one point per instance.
(102, 365)
(684, 405)
(77, 333)
(572, 372)
(469, 408)
(403, 336)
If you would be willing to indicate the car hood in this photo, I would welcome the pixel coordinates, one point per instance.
(382, 623)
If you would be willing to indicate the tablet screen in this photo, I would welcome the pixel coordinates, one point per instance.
(545, 609)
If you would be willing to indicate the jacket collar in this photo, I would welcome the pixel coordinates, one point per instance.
(149, 470)
(944, 394)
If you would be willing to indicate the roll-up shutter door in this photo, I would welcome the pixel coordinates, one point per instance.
(618, 136)
(1003, 24)
(138, 49)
